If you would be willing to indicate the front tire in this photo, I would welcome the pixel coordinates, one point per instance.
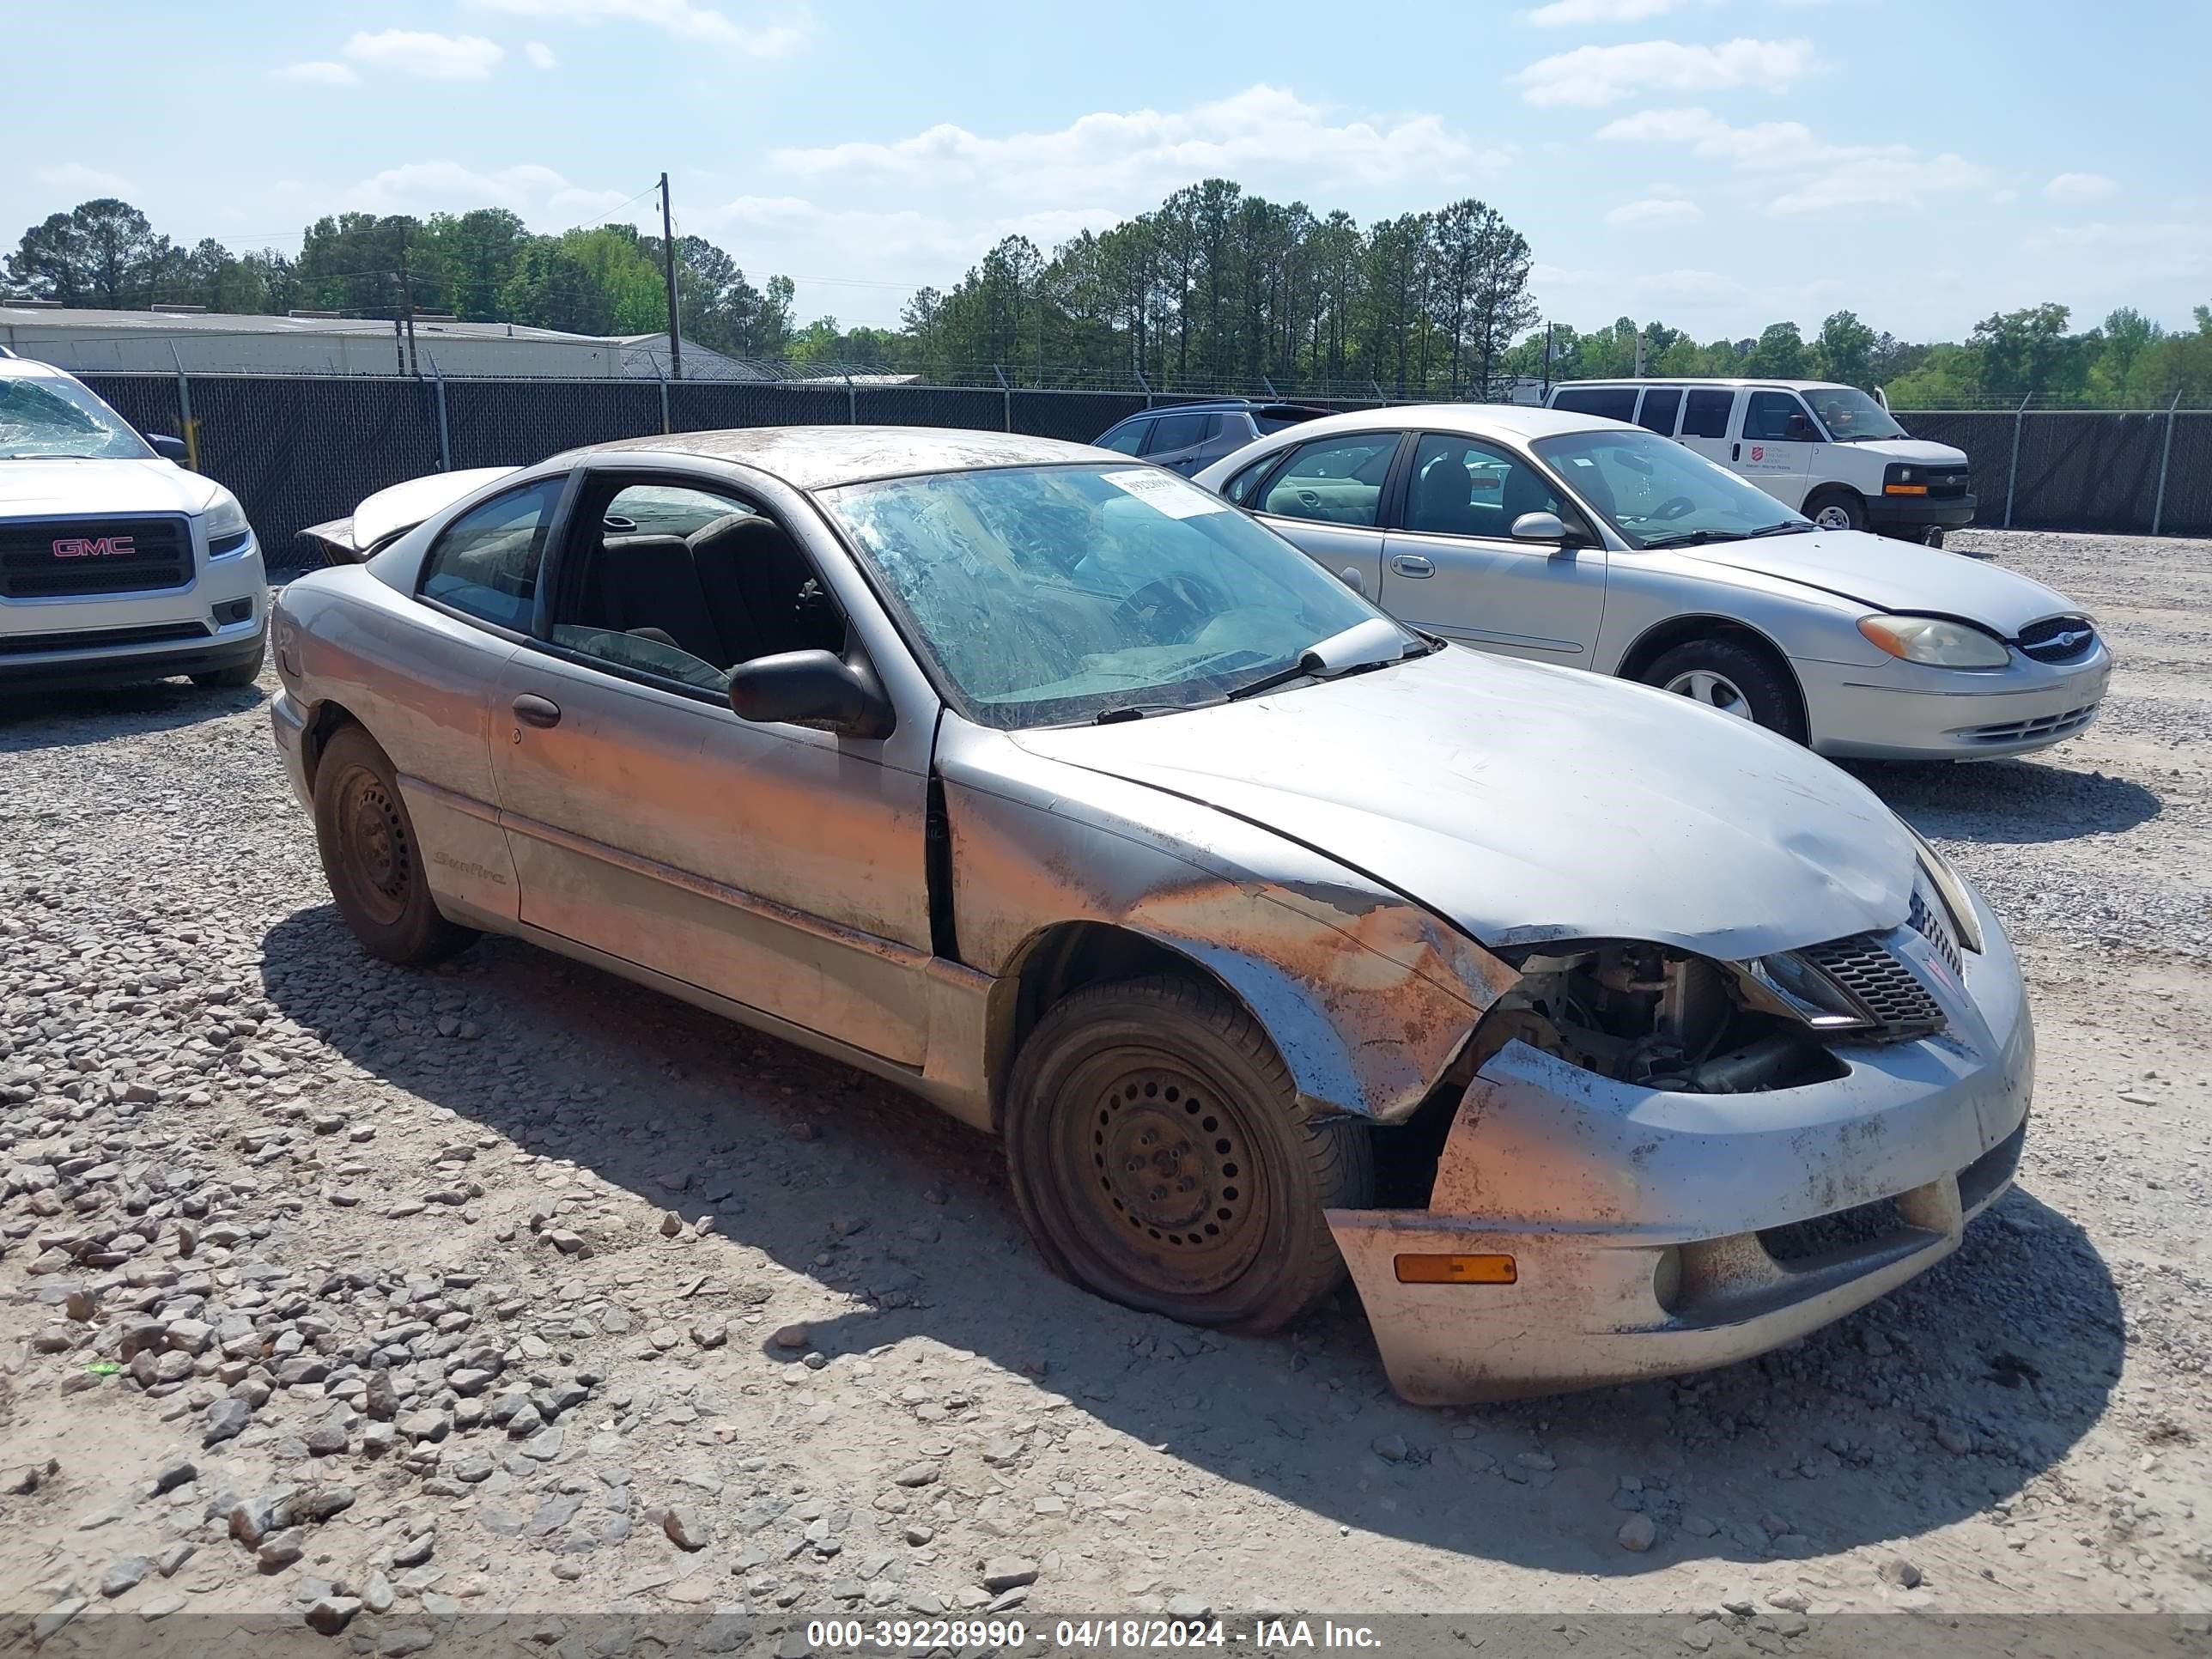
(1733, 679)
(371, 858)
(1836, 509)
(233, 679)
(1161, 1159)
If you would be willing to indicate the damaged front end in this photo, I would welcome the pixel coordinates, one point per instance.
(1647, 1161)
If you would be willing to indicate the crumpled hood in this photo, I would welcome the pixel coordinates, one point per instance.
(1888, 575)
(1525, 802)
(49, 488)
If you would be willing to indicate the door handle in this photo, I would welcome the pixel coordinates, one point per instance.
(533, 710)
(1413, 564)
(1736, 452)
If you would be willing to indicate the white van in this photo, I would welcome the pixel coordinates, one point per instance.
(1829, 450)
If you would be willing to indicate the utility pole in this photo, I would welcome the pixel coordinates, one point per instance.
(668, 261)
(1548, 327)
(407, 302)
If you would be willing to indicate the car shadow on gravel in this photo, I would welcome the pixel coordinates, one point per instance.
(2010, 803)
(1913, 1414)
(32, 720)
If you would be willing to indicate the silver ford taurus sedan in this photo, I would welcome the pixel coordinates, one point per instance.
(1599, 1037)
(1571, 538)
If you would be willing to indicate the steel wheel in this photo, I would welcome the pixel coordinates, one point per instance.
(1161, 1156)
(1834, 517)
(378, 850)
(1159, 1166)
(371, 857)
(1714, 691)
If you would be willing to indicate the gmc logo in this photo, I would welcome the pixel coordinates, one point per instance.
(95, 547)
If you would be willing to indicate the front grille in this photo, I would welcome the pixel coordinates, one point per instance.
(2044, 726)
(1877, 979)
(65, 558)
(1927, 922)
(98, 639)
(2057, 639)
(1943, 485)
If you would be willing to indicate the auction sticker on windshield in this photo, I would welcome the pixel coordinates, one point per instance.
(1165, 492)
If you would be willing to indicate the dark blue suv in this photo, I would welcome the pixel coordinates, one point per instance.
(1189, 436)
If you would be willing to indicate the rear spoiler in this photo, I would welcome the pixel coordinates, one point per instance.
(390, 514)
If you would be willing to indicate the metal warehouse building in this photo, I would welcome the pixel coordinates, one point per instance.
(172, 338)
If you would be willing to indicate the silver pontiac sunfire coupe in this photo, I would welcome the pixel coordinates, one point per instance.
(1599, 1034)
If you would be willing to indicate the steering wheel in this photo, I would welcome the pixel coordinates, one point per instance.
(1673, 507)
(1178, 603)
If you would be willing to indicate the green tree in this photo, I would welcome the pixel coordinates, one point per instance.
(1779, 355)
(1845, 350)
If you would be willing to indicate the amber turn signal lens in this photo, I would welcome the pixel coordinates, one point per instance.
(1904, 489)
(1456, 1270)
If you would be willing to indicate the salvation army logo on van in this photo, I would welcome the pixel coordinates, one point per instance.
(1759, 451)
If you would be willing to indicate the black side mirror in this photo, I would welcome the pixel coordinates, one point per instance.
(811, 687)
(168, 448)
(1800, 430)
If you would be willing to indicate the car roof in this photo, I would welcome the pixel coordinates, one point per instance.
(1209, 404)
(1712, 380)
(1476, 420)
(29, 368)
(822, 457)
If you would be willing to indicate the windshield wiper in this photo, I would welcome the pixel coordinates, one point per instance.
(1137, 711)
(1693, 538)
(1787, 528)
(1339, 654)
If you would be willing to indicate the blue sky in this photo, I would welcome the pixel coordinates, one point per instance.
(1714, 164)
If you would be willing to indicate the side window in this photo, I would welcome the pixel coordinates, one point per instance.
(1770, 415)
(1128, 437)
(1613, 403)
(1462, 487)
(1657, 413)
(1241, 486)
(485, 563)
(1705, 412)
(1174, 432)
(1335, 480)
(683, 584)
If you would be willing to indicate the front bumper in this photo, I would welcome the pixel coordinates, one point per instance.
(1918, 512)
(1654, 1233)
(218, 620)
(288, 724)
(1906, 711)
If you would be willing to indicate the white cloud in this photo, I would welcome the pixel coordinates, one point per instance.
(427, 185)
(679, 17)
(540, 55)
(1259, 130)
(2079, 187)
(77, 178)
(1573, 14)
(1826, 177)
(2004, 197)
(1590, 77)
(1656, 210)
(1885, 180)
(319, 72)
(429, 55)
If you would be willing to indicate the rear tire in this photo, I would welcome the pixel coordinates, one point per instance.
(1734, 678)
(1161, 1159)
(371, 858)
(1836, 509)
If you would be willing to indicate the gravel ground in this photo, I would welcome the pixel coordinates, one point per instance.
(372, 1298)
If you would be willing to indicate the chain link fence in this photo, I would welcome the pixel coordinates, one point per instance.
(298, 450)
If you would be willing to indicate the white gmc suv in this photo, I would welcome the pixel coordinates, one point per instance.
(116, 564)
